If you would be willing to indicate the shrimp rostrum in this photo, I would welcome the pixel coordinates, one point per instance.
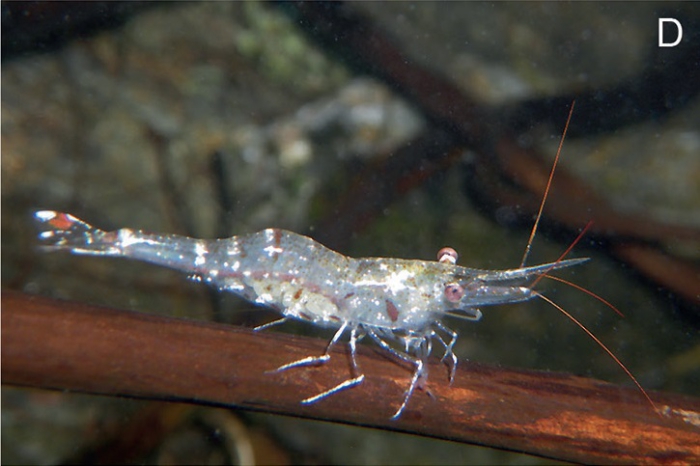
(397, 303)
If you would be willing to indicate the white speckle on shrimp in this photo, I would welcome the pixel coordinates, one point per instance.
(272, 250)
(235, 287)
(128, 237)
(394, 282)
(200, 250)
(46, 215)
(233, 249)
(397, 281)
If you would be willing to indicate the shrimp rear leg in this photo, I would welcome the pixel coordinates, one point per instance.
(325, 357)
(271, 324)
(357, 380)
(312, 360)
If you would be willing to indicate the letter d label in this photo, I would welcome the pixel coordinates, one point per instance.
(661, 32)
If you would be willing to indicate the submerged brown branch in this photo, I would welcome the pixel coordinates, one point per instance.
(71, 346)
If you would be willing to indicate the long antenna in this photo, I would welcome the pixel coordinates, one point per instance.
(602, 345)
(588, 292)
(543, 275)
(546, 189)
(571, 284)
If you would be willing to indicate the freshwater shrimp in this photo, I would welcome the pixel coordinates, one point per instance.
(388, 300)
(397, 303)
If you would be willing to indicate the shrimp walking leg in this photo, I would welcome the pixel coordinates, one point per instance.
(316, 360)
(357, 380)
(452, 364)
(418, 362)
(271, 324)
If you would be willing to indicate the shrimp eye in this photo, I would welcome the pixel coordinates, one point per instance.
(447, 256)
(454, 292)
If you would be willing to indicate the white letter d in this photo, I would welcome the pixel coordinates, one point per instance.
(661, 32)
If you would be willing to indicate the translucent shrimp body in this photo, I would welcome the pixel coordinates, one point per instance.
(398, 303)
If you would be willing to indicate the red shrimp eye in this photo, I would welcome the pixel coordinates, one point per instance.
(454, 292)
(447, 256)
